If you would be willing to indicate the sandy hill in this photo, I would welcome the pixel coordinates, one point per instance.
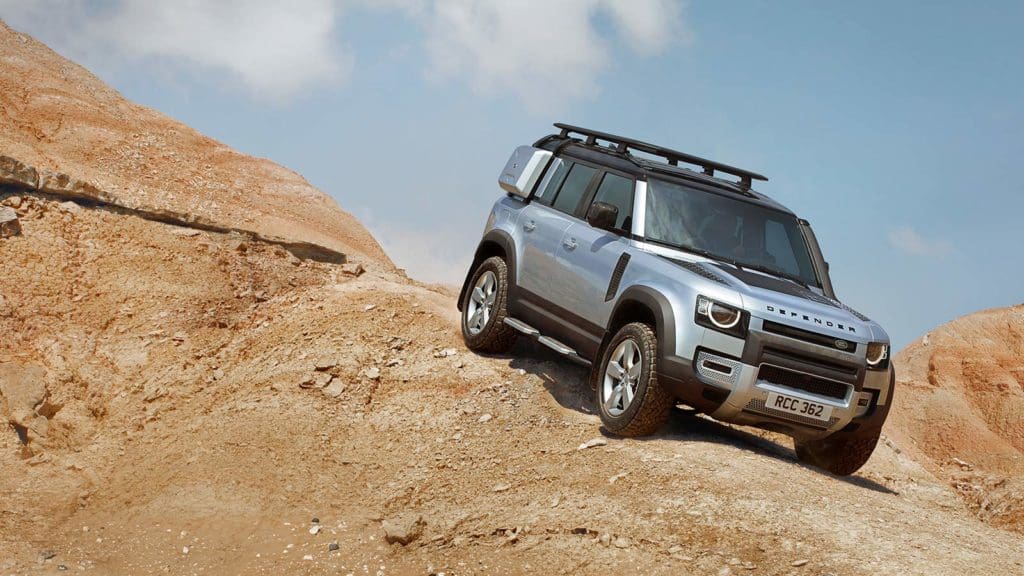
(962, 409)
(55, 115)
(189, 386)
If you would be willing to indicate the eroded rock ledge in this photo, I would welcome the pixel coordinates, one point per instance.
(18, 177)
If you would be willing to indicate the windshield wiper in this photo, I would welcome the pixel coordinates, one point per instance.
(740, 265)
(701, 252)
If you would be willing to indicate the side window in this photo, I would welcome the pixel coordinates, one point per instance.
(552, 181)
(777, 245)
(575, 186)
(618, 192)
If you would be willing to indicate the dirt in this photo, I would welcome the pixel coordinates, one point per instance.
(192, 402)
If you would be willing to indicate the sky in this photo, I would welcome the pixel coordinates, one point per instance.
(895, 128)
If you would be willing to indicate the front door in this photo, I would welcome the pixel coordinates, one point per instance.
(588, 256)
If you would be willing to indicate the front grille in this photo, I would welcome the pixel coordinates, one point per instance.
(800, 381)
(810, 337)
(757, 405)
(843, 371)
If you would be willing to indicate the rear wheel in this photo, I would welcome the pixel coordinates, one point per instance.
(629, 397)
(485, 307)
(840, 454)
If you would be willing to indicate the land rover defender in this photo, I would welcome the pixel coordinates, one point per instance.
(678, 283)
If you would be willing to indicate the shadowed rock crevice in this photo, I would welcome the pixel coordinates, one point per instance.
(16, 177)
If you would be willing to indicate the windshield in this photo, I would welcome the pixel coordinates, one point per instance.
(726, 228)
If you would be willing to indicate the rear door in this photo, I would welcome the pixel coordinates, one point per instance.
(588, 257)
(543, 223)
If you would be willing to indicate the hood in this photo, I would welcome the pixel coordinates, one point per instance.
(784, 301)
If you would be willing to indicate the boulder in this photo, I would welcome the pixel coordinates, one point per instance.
(9, 224)
(353, 269)
(16, 173)
(404, 529)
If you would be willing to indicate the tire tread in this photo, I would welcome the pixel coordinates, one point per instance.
(497, 337)
(655, 402)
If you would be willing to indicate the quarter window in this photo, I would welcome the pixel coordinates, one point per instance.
(575, 185)
(552, 181)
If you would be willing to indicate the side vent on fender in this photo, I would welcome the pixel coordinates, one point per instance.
(613, 284)
(698, 269)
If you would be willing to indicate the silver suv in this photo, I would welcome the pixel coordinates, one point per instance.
(678, 283)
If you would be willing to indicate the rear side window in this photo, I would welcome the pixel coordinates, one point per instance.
(618, 191)
(552, 181)
(575, 185)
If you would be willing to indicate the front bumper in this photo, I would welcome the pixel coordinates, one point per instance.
(734, 386)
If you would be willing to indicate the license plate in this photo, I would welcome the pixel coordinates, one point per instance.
(798, 406)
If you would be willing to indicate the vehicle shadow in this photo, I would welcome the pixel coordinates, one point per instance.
(568, 385)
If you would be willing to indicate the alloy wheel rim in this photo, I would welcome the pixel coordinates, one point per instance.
(621, 377)
(481, 302)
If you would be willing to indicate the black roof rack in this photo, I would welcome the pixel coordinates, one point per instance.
(623, 145)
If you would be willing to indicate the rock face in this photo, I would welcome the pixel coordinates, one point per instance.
(9, 225)
(58, 120)
(962, 411)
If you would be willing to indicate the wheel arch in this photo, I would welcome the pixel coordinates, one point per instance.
(648, 305)
(494, 243)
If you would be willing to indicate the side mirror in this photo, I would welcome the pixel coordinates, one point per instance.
(602, 215)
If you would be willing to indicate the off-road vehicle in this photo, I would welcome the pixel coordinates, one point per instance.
(678, 283)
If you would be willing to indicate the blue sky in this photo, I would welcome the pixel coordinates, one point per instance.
(896, 128)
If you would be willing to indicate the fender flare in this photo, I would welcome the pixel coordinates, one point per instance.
(492, 238)
(658, 304)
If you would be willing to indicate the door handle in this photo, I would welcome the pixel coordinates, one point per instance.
(529, 226)
(570, 243)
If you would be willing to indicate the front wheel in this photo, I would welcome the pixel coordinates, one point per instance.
(629, 397)
(485, 307)
(840, 454)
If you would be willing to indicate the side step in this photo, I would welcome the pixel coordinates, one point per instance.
(551, 343)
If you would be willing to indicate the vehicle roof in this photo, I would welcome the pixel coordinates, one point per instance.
(644, 168)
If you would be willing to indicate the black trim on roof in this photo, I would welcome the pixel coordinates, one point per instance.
(622, 145)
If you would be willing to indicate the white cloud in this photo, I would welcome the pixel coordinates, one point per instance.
(910, 241)
(546, 53)
(275, 49)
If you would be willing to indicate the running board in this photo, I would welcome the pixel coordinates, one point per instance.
(522, 327)
(551, 343)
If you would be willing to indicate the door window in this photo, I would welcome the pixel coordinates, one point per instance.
(575, 185)
(618, 191)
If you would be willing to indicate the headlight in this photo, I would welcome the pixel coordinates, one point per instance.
(721, 317)
(878, 355)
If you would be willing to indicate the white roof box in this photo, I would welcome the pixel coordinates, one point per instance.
(523, 170)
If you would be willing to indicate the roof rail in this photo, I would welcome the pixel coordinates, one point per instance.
(623, 145)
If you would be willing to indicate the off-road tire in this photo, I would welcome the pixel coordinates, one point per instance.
(651, 404)
(496, 337)
(840, 454)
